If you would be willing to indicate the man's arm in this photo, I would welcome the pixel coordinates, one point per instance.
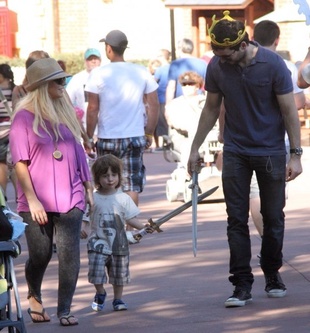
(292, 126)
(92, 113)
(208, 118)
(170, 91)
(151, 100)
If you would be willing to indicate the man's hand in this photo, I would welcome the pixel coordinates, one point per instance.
(194, 162)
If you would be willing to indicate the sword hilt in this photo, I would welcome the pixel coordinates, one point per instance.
(154, 225)
(194, 184)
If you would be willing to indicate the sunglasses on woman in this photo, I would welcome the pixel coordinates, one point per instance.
(61, 81)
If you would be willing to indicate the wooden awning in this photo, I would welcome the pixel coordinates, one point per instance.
(288, 13)
(208, 4)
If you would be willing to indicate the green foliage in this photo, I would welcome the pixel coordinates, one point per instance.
(13, 62)
(74, 61)
(143, 62)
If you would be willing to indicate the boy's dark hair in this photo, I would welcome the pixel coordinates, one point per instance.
(266, 32)
(34, 56)
(226, 29)
(102, 165)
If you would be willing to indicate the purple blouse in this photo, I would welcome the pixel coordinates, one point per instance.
(58, 183)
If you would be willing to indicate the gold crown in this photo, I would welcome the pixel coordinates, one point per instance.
(226, 42)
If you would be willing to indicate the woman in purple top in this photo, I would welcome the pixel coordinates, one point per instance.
(53, 180)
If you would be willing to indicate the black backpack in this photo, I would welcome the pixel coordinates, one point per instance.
(6, 229)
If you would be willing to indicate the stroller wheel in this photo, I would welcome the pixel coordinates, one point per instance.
(171, 191)
(187, 194)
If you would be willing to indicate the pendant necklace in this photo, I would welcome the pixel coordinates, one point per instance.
(57, 154)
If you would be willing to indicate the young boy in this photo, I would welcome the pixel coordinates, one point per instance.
(108, 250)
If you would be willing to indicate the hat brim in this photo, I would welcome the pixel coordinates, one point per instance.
(92, 55)
(105, 41)
(33, 86)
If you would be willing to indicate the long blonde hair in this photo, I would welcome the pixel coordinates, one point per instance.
(56, 111)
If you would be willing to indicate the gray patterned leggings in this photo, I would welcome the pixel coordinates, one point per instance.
(40, 248)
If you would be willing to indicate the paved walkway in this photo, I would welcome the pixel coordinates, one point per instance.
(173, 291)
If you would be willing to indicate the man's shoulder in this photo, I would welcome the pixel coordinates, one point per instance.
(265, 55)
(78, 77)
(123, 66)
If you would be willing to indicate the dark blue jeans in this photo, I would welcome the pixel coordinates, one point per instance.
(236, 176)
(40, 248)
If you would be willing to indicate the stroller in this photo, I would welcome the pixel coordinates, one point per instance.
(9, 249)
(176, 147)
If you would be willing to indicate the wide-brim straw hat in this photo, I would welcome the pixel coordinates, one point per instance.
(42, 71)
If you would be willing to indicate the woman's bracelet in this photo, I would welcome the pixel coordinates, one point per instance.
(149, 135)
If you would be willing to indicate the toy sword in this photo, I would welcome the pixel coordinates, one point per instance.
(156, 224)
(194, 187)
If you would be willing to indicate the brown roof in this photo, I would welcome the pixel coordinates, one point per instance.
(206, 4)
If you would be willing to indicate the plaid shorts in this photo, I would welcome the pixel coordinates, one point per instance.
(4, 146)
(130, 151)
(116, 267)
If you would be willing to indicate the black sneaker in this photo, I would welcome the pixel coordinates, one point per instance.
(98, 303)
(239, 298)
(275, 287)
(119, 305)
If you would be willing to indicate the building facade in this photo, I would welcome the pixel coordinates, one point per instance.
(71, 26)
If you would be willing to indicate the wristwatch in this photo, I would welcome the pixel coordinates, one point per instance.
(297, 151)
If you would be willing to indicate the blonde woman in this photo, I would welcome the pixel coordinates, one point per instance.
(53, 178)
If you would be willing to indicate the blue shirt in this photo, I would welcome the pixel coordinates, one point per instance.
(180, 66)
(254, 124)
(161, 76)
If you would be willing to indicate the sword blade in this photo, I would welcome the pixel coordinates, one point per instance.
(194, 211)
(156, 224)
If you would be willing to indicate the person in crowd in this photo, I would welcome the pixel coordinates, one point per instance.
(45, 140)
(63, 65)
(108, 249)
(6, 86)
(117, 94)
(256, 88)
(185, 62)
(304, 72)
(161, 77)
(152, 66)
(75, 88)
(20, 90)
(183, 113)
(267, 34)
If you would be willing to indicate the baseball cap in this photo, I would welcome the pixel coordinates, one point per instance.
(115, 38)
(90, 52)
